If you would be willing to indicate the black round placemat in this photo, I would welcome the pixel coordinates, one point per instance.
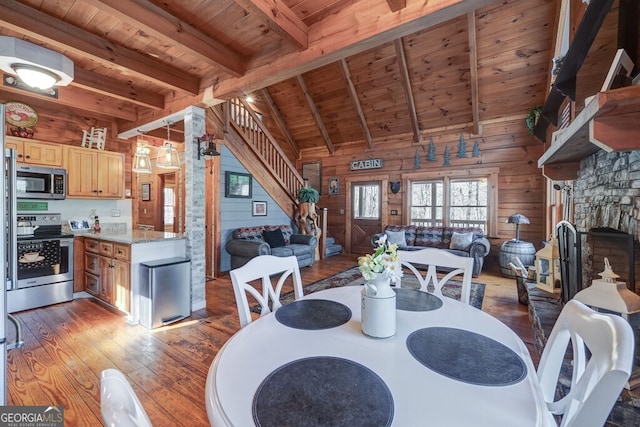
(323, 391)
(416, 300)
(466, 356)
(313, 314)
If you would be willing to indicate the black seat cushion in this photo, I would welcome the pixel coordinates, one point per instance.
(274, 238)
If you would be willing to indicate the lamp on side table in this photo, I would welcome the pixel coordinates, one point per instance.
(516, 247)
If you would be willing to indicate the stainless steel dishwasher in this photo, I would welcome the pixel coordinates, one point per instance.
(165, 294)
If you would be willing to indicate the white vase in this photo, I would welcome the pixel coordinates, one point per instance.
(378, 308)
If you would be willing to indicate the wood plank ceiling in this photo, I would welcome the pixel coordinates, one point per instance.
(332, 72)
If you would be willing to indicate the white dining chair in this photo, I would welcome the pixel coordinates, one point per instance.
(262, 268)
(598, 379)
(119, 405)
(433, 259)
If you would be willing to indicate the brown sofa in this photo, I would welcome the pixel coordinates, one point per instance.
(468, 242)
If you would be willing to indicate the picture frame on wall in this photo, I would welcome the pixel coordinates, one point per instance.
(259, 208)
(237, 184)
(334, 185)
(145, 192)
(313, 173)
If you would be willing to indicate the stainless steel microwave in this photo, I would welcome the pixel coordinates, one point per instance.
(37, 182)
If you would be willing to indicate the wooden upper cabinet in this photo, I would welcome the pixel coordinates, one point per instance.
(94, 173)
(35, 152)
(111, 175)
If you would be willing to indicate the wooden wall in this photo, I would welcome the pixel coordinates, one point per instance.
(505, 145)
(62, 126)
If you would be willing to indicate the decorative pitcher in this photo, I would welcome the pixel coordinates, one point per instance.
(378, 304)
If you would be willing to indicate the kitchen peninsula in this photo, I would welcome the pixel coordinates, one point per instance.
(108, 264)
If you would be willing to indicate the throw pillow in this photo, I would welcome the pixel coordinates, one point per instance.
(274, 238)
(461, 241)
(396, 237)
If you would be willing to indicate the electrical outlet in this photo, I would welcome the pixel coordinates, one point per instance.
(341, 211)
(394, 212)
(115, 212)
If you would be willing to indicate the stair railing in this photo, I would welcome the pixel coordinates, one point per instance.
(239, 115)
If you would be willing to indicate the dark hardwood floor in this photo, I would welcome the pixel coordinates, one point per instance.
(68, 345)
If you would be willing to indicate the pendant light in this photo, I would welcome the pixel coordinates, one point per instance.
(168, 155)
(141, 161)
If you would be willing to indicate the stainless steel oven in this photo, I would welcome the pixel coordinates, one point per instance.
(44, 264)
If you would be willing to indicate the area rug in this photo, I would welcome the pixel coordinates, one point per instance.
(352, 277)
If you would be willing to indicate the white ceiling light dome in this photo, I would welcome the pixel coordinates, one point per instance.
(35, 65)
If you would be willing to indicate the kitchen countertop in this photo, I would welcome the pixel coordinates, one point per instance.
(134, 236)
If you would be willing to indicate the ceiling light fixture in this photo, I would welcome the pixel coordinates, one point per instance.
(141, 161)
(35, 65)
(168, 155)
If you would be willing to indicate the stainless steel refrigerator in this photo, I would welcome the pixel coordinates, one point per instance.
(8, 262)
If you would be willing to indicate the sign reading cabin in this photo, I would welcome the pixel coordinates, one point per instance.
(357, 165)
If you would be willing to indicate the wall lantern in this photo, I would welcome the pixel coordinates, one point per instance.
(211, 149)
(35, 65)
(168, 155)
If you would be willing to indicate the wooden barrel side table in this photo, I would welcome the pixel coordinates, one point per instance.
(512, 248)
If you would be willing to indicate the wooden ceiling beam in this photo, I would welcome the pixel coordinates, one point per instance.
(396, 5)
(408, 92)
(355, 28)
(473, 72)
(280, 18)
(275, 112)
(85, 101)
(59, 34)
(353, 96)
(153, 20)
(316, 115)
(116, 89)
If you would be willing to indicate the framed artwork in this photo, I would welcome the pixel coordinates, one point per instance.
(259, 209)
(146, 192)
(237, 185)
(334, 184)
(313, 172)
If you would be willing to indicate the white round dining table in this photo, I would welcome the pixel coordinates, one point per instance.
(420, 396)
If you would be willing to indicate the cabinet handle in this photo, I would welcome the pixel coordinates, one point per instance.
(28, 157)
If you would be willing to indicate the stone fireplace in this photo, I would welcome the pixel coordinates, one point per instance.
(606, 215)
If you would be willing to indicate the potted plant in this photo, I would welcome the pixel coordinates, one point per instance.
(532, 118)
(307, 216)
(308, 194)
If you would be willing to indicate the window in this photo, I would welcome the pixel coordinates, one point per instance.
(454, 201)
(168, 206)
(366, 201)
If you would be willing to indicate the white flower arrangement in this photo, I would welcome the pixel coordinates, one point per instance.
(384, 260)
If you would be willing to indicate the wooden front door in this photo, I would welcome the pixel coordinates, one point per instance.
(366, 214)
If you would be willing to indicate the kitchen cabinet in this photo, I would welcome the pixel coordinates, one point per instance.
(107, 272)
(31, 151)
(94, 173)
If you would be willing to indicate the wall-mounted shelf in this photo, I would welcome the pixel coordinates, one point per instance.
(610, 121)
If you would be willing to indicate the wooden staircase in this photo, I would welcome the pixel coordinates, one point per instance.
(253, 145)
